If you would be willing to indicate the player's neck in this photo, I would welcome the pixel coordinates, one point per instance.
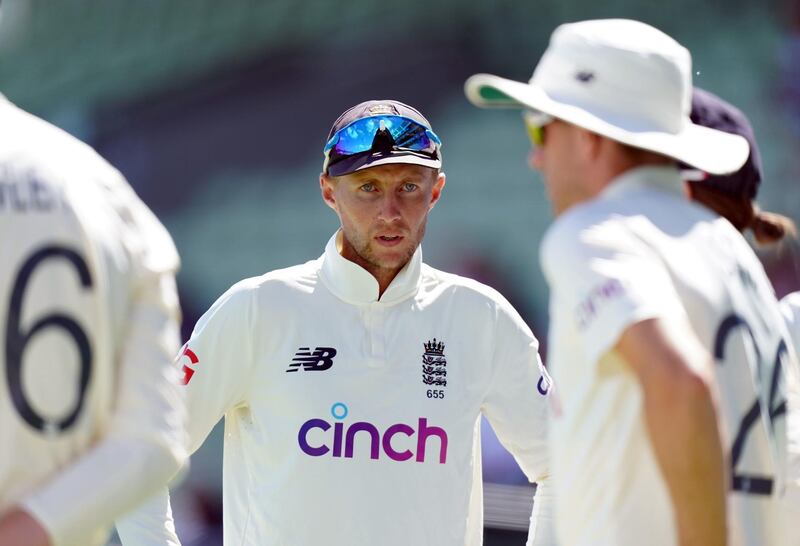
(620, 159)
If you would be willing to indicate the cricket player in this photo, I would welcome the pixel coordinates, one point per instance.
(91, 412)
(667, 344)
(732, 196)
(353, 385)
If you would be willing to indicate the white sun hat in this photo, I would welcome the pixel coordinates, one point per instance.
(621, 79)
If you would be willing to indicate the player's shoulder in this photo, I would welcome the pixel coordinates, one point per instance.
(737, 252)
(278, 283)
(464, 289)
(582, 232)
(471, 300)
(467, 286)
(34, 150)
(35, 140)
(83, 194)
(248, 299)
(297, 278)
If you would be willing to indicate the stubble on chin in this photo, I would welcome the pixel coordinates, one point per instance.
(371, 259)
(369, 256)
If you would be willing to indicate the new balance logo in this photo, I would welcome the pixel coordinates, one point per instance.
(319, 360)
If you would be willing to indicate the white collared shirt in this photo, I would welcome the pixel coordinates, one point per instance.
(354, 420)
(641, 250)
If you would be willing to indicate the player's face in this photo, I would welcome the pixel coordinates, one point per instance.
(559, 164)
(383, 211)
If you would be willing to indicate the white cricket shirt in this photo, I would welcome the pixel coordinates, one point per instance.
(91, 420)
(355, 421)
(640, 250)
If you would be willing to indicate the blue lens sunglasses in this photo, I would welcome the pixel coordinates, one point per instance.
(358, 136)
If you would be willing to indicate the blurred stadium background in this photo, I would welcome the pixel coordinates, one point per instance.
(217, 113)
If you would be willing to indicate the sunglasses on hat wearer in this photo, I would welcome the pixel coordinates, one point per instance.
(535, 123)
(359, 136)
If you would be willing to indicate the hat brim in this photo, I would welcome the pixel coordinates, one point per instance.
(365, 161)
(710, 150)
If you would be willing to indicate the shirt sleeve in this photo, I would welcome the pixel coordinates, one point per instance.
(214, 366)
(515, 403)
(542, 530)
(151, 525)
(216, 362)
(602, 280)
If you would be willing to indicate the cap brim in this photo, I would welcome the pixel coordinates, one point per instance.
(365, 161)
(710, 150)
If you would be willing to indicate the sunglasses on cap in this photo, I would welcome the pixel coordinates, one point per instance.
(358, 136)
(535, 123)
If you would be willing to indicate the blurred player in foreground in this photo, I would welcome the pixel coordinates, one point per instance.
(667, 344)
(353, 385)
(733, 197)
(91, 411)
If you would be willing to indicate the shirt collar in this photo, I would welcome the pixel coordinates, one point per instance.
(664, 178)
(354, 284)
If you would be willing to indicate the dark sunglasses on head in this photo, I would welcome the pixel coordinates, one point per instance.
(535, 123)
(357, 137)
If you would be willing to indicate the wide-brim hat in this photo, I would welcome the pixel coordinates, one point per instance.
(621, 79)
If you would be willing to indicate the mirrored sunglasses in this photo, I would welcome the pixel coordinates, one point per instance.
(357, 137)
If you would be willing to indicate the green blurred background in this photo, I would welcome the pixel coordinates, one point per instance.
(217, 112)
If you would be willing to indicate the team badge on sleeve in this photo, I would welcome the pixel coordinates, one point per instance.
(188, 371)
(434, 364)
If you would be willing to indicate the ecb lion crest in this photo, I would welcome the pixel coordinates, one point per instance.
(434, 364)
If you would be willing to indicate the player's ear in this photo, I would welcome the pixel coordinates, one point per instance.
(436, 191)
(326, 186)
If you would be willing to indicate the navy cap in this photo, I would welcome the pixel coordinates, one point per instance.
(338, 165)
(711, 111)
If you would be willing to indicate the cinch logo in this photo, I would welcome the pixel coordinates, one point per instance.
(344, 438)
(321, 359)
